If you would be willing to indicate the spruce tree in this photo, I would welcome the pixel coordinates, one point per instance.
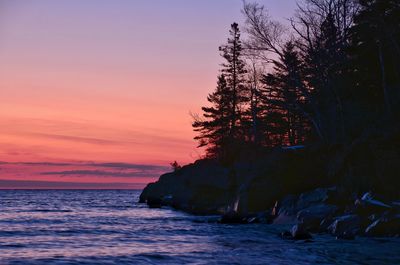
(214, 126)
(284, 98)
(251, 120)
(375, 54)
(324, 61)
(220, 128)
(234, 70)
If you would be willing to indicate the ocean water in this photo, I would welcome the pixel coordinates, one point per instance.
(110, 227)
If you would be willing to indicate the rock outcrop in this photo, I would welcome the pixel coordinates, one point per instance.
(199, 188)
(333, 190)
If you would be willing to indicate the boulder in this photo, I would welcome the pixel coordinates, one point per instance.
(312, 216)
(299, 232)
(233, 217)
(154, 202)
(368, 205)
(262, 217)
(325, 223)
(309, 205)
(346, 226)
(199, 188)
(285, 210)
(384, 226)
(316, 196)
(396, 204)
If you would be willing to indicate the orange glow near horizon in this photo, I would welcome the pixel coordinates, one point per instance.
(106, 82)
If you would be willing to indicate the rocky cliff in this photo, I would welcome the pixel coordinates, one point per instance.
(344, 190)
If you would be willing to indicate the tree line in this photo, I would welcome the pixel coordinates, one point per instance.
(327, 78)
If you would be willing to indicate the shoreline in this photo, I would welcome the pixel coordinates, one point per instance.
(345, 191)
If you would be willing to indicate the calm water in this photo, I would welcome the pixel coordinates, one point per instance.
(109, 227)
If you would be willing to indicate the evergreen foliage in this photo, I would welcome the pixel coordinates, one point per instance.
(335, 76)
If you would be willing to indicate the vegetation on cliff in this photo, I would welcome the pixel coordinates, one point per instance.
(296, 109)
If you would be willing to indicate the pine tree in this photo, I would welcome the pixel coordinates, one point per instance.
(324, 61)
(234, 71)
(214, 126)
(252, 117)
(375, 55)
(285, 98)
(220, 128)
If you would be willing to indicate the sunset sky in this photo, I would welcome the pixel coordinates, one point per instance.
(97, 93)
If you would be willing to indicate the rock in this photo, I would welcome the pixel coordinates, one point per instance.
(253, 220)
(384, 226)
(264, 217)
(199, 188)
(345, 226)
(207, 185)
(285, 210)
(396, 203)
(367, 205)
(233, 218)
(287, 235)
(299, 232)
(319, 195)
(309, 204)
(275, 209)
(312, 217)
(325, 223)
(154, 202)
(259, 195)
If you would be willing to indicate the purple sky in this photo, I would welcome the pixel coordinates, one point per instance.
(108, 80)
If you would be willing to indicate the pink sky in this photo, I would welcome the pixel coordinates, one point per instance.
(107, 81)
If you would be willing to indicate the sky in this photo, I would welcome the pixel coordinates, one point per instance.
(98, 93)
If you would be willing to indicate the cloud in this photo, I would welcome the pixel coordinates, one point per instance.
(101, 173)
(88, 140)
(129, 166)
(43, 164)
(83, 169)
(32, 184)
(117, 165)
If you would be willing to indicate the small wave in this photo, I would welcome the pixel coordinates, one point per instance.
(12, 245)
(51, 211)
(154, 256)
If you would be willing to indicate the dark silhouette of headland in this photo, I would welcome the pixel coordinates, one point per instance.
(303, 126)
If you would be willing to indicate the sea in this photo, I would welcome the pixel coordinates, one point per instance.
(111, 227)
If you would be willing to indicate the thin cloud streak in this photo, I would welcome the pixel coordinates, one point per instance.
(79, 139)
(92, 164)
(31, 184)
(80, 172)
(100, 173)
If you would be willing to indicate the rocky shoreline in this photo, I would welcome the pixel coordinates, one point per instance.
(318, 211)
(344, 191)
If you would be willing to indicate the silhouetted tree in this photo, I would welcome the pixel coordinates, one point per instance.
(220, 127)
(175, 166)
(234, 70)
(375, 53)
(335, 76)
(285, 98)
(215, 124)
(252, 120)
(323, 30)
(265, 36)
